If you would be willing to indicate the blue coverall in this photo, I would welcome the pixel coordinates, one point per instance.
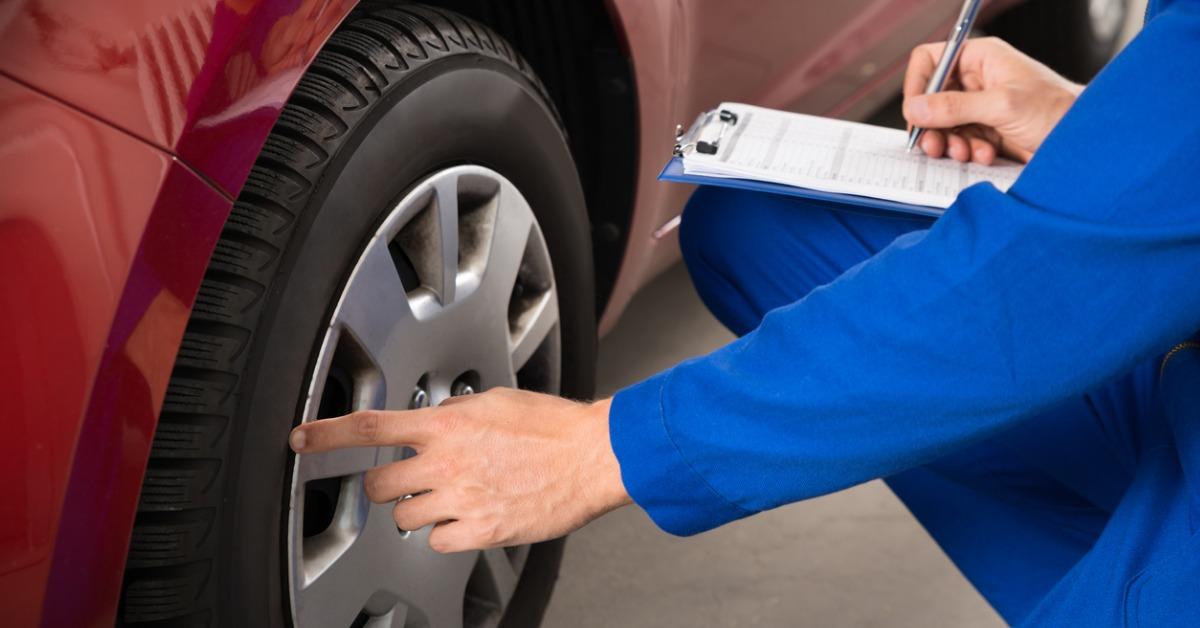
(1019, 370)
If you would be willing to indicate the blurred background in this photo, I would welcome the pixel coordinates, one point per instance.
(855, 558)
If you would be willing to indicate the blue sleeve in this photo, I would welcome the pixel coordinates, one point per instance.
(1007, 305)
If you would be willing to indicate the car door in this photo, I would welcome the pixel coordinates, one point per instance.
(830, 58)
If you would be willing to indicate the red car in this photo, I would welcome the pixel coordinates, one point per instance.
(219, 218)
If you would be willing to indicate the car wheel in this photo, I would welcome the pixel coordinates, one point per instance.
(1075, 37)
(413, 229)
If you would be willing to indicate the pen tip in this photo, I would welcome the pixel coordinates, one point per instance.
(914, 136)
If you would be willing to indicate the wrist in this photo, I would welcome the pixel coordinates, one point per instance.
(609, 488)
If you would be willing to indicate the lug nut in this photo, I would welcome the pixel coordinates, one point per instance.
(420, 399)
(461, 388)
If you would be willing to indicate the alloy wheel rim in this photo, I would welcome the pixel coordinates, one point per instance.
(454, 293)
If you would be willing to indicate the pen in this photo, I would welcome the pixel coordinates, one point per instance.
(962, 28)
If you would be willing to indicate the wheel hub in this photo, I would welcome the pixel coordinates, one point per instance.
(453, 294)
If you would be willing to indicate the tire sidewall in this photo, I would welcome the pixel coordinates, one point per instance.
(465, 108)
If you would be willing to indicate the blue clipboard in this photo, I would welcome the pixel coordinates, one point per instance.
(674, 172)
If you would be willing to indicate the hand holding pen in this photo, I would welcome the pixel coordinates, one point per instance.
(995, 101)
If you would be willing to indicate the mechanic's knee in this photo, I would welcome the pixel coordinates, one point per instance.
(707, 235)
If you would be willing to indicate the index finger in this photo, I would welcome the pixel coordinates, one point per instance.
(366, 428)
(921, 65)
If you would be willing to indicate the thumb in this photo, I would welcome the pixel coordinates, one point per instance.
(945, 110)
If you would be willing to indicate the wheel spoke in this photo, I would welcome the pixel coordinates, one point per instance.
(336, 464)
(514, 223)
(374, 303)
(446, 195)
(533, 325)
(337, 593)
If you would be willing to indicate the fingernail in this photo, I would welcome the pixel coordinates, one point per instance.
(918, 108)
(298, 438)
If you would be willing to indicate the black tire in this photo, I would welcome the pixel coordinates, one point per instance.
(1061, 34)
(397, 93)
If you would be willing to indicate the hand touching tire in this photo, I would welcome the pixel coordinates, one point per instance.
(504, 467)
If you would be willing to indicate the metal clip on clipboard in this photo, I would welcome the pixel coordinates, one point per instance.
(686, 142)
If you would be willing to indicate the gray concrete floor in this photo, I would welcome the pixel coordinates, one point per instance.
(856, 558)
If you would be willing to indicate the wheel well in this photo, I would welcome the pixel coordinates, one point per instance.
(576, 50)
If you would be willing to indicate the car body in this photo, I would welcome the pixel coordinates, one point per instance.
(128, 129)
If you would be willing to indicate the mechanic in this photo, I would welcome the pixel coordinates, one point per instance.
(1008, 369)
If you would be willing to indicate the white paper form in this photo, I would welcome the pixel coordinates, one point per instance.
(837, 156)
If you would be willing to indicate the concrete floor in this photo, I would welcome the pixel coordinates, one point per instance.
(856, 558)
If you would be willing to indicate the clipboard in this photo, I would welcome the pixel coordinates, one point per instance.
(674, 172)
(705, 137)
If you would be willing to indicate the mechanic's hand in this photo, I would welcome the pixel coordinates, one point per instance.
(503, 467)
(998, 101)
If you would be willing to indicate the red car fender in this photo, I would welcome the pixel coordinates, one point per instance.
(202, 79)
(151, 93)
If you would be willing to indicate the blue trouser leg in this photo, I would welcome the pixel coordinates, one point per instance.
(1040, 493)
